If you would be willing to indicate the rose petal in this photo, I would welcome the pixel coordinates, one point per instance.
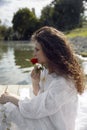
(34, 60)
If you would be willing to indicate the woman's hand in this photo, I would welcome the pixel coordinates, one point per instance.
(35, 75)
(6, 97)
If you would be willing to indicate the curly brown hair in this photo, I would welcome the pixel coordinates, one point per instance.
(60, 54)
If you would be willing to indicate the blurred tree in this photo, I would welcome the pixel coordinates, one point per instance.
(63, 14)
(9, 34)
(46, 16)
(68, 13)
(0, 21)
(24, 23)
(2, 31)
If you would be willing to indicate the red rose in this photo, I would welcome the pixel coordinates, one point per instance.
(34, 60)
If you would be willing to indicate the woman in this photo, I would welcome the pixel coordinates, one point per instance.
(56, 87)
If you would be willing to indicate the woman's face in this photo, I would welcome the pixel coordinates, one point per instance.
(39, 54)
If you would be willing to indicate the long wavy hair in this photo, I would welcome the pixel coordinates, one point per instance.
(60, 55)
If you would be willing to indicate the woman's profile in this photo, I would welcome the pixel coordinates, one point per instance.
(56, 86)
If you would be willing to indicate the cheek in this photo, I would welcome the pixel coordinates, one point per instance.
(43, 58)
(42, 55)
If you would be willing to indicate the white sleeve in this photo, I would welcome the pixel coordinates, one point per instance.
(48, 102)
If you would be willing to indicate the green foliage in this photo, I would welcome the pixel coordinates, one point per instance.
(25, 23)
(84, 54)
(63, 14)
(82, 32)
(67, 14)
(9, 34)
(2, 31)
(46, 16)
(0, 21)
(5, 33)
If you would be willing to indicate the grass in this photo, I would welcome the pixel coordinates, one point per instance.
(84, 54)
(81, 32)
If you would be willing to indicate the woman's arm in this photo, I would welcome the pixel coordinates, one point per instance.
(50, 101)
(35, 88)
(35, 81)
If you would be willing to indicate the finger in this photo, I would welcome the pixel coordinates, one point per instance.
(6, 93)
(2, 95)
(33, 71)
(36, 70)
(6, 89)
(37, 75)
(34, 76)
(3, 99)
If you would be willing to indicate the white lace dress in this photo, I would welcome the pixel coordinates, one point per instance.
(54, 108)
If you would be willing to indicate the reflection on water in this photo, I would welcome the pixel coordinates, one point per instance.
(3, 50)
(13, 65)
(21, 56)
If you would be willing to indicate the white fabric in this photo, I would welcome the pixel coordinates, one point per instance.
(54, 108)
(81, 121)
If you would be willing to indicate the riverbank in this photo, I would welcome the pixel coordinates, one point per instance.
(80, 45)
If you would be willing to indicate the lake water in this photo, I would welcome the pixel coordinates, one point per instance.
(14, 68)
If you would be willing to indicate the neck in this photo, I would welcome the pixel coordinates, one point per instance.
(50, 69)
